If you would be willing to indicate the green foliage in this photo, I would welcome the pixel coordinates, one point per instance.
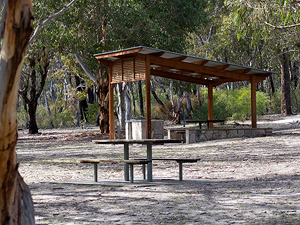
(92, 111)
(228, 103)
(221, 111)
(275, 103)
(22, 117)
(64, 119)
(59, 117)
(239, 103)
(295, 99)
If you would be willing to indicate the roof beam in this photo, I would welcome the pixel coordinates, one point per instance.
(105, 62)
(157, 53)
(221, 81)
(118, 53)
(222, 67)
(175, 76)
(201, 63)
(242, 70)
(179, 58)
(199, 69)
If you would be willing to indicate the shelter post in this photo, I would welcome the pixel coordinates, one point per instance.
(253, 102)
(111, 105)
(210, 104)
(147, 98)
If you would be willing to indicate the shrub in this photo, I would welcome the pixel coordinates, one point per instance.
(22, 117)
(232, 103)
(92, 111)
(275, 103)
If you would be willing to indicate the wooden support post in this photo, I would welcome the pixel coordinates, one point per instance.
(253, 102)
(210, 104)
(147, 98)
(111, 104)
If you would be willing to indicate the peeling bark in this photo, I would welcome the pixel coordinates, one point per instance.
(16, 205)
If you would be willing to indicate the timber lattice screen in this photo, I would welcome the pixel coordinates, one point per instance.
(128, 70)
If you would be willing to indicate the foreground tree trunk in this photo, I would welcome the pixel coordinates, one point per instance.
(16, 205)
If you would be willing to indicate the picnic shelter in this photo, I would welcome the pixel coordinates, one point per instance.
(139, 63)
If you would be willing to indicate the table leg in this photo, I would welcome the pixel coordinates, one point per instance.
(126, 166)
(96, 172)
(131, 173)
(149, 159)
(180, 170)
(144, 171)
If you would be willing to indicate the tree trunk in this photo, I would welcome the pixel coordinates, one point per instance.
(103, 104)
(155, 95)
(128, 104)
(141, 98)
(16, 205)
(285, 85)
(198, 97)
(52, 91)
(133, 86)
(31, 80)
(33, 128)
(272, 84)
(91, 97)
(83, 105)
(121, 105)
(172, 98)
(189, 107)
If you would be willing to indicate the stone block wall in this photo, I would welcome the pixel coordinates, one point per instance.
(193, 135)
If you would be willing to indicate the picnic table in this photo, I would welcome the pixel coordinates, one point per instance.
(126, 143)
(204, 121)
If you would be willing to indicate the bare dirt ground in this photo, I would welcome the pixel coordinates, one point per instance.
(237, 181)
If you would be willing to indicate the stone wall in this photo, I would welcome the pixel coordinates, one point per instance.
(192, 135)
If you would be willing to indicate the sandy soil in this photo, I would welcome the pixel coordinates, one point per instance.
(237, 181)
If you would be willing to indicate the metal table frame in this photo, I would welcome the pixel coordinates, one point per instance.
(148, 142)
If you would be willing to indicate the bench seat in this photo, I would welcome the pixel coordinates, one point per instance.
(180, 161)
(130, 162)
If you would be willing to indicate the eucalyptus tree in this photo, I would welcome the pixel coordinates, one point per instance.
(37, 61)
(91, 27)
(16, 206)
(275, 22)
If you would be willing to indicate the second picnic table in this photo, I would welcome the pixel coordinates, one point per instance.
(126, 143)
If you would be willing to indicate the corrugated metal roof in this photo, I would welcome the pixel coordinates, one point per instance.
(189, 59)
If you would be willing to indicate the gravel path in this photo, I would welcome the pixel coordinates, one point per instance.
(237, 181)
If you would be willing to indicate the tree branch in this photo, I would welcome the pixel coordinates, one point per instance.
(282, 27)
(48, 19)
(86, 70)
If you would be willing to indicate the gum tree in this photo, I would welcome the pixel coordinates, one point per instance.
(276, 23)
(16, 205)
(97, 26)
